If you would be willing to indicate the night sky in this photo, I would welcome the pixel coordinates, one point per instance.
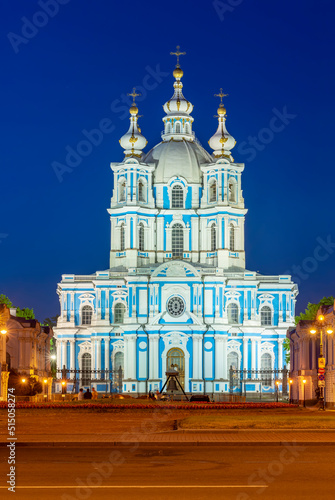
(274, 59)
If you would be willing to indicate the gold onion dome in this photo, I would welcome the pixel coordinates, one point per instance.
(133, 141)
(222, 142)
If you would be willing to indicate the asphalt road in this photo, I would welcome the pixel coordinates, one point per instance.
(171, 472)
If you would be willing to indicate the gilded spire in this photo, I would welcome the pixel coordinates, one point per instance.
(133, 141)
(222, 142)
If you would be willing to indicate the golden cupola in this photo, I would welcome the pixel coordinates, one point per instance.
(222, 142)
(133, 141)
(177, 121)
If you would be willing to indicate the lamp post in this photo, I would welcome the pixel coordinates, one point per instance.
(45, 381)
(290, 382)
(277, 386)
(320, 327)
(304, 384)
(63, 389)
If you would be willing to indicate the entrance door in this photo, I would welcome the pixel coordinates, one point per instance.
(175, 360)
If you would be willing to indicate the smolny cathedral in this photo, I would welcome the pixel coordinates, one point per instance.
(177, 294)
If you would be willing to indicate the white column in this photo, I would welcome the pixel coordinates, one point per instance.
(93, 365)
(131, 357)
(253, 357)
(107, 357)
(259, 355)
(219, 357)
(126, 364)
(58, 354)
(64, 353)
(280, 354)
(99, 357)
(245, 353)
(72, 357)
(153, 357)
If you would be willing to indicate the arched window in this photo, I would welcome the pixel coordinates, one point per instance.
(232, 360)
(266, 362)
(119, 311)
(177, 241)
(232, 191)
(232, 310)
(86, 315)
(266, 316)
(141, 238)
(177, 198)
(122, 238)
(187, 128)
(169, 128)
(212, 192)
(232, 237)
(213, 238)
(141, 192)
(122, 191)
(178, 129)
(86, 369)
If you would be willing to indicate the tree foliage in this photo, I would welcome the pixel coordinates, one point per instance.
(30, 387)
(286, 346)
(312, 309)
(21, 313)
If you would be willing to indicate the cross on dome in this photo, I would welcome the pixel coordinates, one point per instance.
(222, 142)
(133, 137)
(133, 94)
(178, 53)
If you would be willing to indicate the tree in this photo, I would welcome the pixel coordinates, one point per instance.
(21, 313)
(286, 346)
(312, 309)
(5, 300)
(51, 321)
(25, 313)
(30, 387)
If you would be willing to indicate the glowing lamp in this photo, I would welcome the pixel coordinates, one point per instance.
(312, 330)
(23, 380)
(63, 383)
(45, 381)
(291, 381)
(3, 331)
(329, 330)
(304, 381)
(321, 317)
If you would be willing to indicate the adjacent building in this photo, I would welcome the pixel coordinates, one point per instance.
(177, 292)
(304, 354)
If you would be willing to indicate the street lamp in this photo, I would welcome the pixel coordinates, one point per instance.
(290, 382)
(23, 380)
(63, 389)
(321, 360)
(304, 382)
(45, 381)
(277, 385)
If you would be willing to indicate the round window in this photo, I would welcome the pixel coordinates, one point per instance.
(175, 306)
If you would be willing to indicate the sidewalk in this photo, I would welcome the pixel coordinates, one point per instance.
(177, 438)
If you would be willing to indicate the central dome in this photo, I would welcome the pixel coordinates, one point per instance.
(178, 158)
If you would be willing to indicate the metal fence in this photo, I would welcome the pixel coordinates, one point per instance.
(112, 379)
(258, 383)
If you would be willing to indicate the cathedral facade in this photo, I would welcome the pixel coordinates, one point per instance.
(177, 294)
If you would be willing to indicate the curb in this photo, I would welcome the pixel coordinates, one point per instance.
(80, 444)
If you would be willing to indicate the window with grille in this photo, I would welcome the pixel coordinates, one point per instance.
(212, 191)
(141, 192)
(122, 238)
(141, 238)
(86, 369)
(232, 360)
(86, 315)
(266, 367)
(213, 238)
(232, 237)
(177, 241)
(266, 316)
(232, 314)
(178, 128)
(122, 191)
(177, 197)
(119, 311)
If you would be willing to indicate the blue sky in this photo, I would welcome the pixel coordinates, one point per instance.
(74, 70)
